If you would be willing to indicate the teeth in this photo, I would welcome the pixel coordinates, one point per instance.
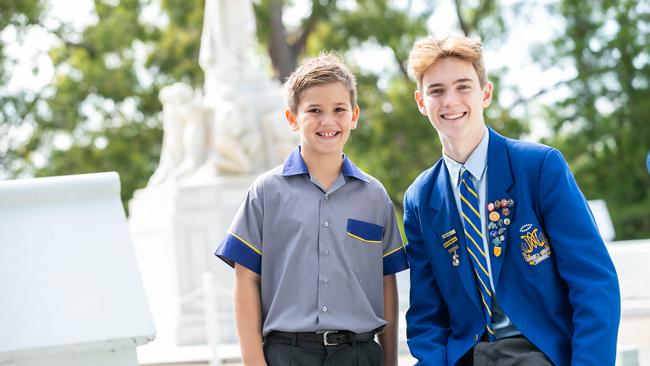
(453, 116)
(327, 134)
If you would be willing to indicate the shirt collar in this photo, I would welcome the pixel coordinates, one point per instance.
(476, 162)
(295, 165)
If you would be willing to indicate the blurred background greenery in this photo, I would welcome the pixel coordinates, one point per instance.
(101, 112)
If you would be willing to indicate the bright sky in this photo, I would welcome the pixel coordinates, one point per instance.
(34, 69)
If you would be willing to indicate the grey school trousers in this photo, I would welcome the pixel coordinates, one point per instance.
(514, 351)
(359, 354)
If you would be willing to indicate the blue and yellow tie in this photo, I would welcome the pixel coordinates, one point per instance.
(474, 243)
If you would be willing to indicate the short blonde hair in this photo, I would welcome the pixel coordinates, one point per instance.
(429, 50)
(323, 69)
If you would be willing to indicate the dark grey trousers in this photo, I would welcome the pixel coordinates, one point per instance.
(515, 351)
(360, 354)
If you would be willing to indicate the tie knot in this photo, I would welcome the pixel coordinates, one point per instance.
(464, 173)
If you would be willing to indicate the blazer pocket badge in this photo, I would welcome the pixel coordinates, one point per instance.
(535, 247)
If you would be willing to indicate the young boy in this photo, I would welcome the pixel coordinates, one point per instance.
(316, 245)
(507, 265)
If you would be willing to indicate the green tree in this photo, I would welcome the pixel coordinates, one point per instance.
(101, 112)
(601, 126)
(17, 17)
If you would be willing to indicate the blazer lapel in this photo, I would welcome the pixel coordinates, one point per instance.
(445, 219)
(500, 179)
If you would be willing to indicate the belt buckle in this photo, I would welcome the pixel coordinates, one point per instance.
(325, 342)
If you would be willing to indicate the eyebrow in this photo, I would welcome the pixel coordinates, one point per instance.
(462, 80)
(319, 106)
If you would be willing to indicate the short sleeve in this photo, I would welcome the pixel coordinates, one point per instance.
(243, 241)
(394, 254)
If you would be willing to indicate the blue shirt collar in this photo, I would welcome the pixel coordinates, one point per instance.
(476, 162)
(295, 165)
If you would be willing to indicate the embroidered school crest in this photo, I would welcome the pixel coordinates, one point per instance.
(534, 248)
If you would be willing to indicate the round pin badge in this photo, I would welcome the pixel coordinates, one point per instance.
(490, 207)
(511, 202)
(504, 202)
(506, 221)
(494, 216)
(505, 211)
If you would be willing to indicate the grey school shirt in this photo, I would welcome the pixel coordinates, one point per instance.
(321, 255)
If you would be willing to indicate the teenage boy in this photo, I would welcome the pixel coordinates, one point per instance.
(316, 245)
(507, 265)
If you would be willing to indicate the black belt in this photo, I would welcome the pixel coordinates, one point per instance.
(326, 338)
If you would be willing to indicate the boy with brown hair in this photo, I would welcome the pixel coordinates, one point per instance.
(507, 264)
(315, 244)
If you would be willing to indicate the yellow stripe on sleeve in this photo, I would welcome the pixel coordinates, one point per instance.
(245, 242)
(393, 251)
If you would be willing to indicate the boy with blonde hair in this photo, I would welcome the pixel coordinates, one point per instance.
(315, 244)
(507, 265)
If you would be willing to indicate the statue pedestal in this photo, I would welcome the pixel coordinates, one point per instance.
(175, 230)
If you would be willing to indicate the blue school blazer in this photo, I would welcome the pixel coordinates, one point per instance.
(553, 276)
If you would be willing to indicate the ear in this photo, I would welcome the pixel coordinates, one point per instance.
(292, 119)
(420, 102)
(355, 116)
(487, 94)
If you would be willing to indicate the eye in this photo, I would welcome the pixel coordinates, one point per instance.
(435, 91)
(313, 110)
(464, 87)
(339, 109)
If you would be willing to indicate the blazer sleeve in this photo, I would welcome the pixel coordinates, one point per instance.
(427, 319)
(582, 261)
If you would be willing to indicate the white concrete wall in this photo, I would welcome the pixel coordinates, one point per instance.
(71, 289)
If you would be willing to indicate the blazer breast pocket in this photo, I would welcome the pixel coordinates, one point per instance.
(534, 251)
(364, 245)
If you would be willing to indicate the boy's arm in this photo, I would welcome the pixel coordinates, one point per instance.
(427, 319)
(248, 315)
(388, 339)
(582, 261)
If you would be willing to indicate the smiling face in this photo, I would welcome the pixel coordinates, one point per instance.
(324, 118)
(452, 98)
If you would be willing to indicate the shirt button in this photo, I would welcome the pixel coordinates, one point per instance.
(324, 309)
(326, 280)
(326, 252)
(475, 337)
(326, 224)
(327, 197)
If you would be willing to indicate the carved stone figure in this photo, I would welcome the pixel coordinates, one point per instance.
(185, 142)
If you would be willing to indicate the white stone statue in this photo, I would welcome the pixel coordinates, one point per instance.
(185, 137)
(227, 42)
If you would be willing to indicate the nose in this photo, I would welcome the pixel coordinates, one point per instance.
(328, 118)
(450, 98)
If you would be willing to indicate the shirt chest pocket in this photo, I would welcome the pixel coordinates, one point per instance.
(364, 248)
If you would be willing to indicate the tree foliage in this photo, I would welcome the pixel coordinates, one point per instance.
(601, 126)
(101, 110)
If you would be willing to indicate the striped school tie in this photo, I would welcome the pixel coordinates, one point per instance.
(474, 243)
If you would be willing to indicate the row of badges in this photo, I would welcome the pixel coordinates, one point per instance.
(499, 215)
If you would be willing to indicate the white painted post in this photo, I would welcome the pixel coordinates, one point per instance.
(71, 291)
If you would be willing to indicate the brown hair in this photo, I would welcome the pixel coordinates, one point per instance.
(427, 51)
(323, 69)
